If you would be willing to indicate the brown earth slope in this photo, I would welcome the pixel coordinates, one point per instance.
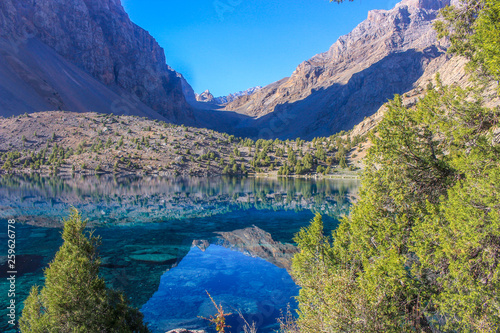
(91, 143)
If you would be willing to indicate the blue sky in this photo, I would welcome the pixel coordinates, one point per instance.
(231, 45)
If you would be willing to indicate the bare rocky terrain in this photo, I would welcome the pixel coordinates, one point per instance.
(84, 55)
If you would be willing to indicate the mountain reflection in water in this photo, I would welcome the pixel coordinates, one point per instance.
(238, 282)
(141, 200)
(148, 225)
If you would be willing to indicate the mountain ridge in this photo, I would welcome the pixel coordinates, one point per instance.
(386, 54)
(123, 71)
(98, 38)
(208, 97)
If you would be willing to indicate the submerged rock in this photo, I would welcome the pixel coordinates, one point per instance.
(159, 258)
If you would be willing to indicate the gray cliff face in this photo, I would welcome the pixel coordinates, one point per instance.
(384, 55)
(98, 37)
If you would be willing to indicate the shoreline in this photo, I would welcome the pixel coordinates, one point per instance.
(65, 174)
(64, 144)
(354, 176)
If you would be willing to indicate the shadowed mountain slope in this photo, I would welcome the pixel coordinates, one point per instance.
(83, 55)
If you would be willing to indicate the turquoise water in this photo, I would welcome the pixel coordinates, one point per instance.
(149, 227)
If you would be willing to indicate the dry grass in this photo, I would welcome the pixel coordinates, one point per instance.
(219, 319)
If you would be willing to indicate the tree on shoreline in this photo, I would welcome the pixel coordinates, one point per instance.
(420, 251)
(75, 298)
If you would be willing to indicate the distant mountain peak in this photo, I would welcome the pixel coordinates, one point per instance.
(386, 54)
(207, 96)
(231, 97)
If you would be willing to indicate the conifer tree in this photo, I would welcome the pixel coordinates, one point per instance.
(474, 31)
(75, 298)
(420, 251)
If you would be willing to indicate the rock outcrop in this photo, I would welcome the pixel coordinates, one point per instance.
(384, 55)
(81, 40)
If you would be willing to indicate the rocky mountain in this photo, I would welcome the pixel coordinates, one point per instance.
(86, 55)
(231, 97)
(386, 54)
(83, 55)
(207, 96)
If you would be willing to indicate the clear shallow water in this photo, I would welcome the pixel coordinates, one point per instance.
(148, 228)
(236, 281)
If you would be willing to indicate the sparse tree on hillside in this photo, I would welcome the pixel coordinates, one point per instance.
(474, 32)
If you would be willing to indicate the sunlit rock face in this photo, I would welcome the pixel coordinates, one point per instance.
(205, 96)
(238, 282)
(386, 54)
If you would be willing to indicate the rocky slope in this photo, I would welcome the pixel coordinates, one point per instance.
(67, 143)
(83, 55)
(386, 54)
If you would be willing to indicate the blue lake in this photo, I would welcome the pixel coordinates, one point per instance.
(167, 242)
